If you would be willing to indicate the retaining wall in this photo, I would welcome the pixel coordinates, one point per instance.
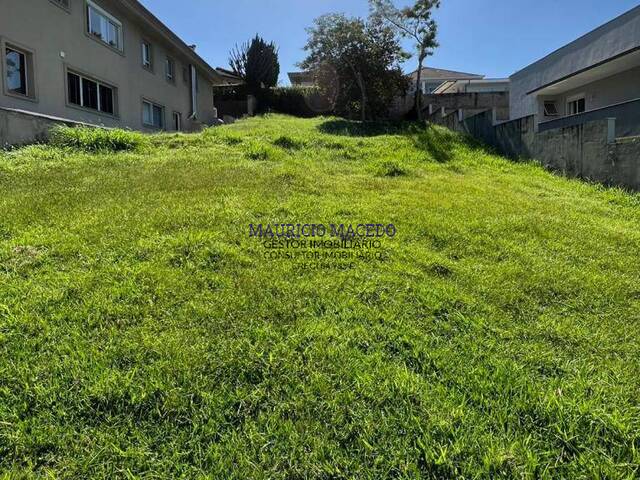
(588, 150)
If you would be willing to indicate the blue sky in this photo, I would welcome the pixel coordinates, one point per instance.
(490, 37)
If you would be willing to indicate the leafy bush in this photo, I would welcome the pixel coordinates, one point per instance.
(297, 101)
(92, 139)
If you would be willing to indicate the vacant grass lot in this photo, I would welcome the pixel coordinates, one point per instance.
(144, 335)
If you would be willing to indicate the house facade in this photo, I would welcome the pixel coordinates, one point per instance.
(432, 78)
(485, 85)
(101, 62)
(596, 76)
(302, 79)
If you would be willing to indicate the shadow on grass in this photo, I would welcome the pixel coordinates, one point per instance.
(352, 128)
(438, 141)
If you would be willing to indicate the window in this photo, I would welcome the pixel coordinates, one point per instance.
(16, 62)
(152, 114)
(62, 3)
(106, 99)
(550, 109)
(103, 26)
(88, 93)
(177, 121)
(170, 69)
(575, 106)
(146, 55)
(185, 74)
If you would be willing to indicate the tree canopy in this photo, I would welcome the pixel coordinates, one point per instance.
(415, 22)
(256, 62)
(360, 58)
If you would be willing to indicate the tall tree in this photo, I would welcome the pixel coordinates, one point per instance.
(415, 22)
(256, 62)
(365, 56)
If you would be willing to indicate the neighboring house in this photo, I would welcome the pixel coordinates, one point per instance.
(486, 85)
(596, 76)
(301, 79)
(228, 78)
(104, 62)
(432, 78)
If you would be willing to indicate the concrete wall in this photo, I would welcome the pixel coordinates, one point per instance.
(20, 127)
(476, 100)
(585, 151)
(58, 40)
(616, 37)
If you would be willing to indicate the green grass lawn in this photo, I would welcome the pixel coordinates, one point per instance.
(143, 334)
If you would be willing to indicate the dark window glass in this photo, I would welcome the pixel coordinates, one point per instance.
(89, 94)
(16, 72)
(73, 83)
(581, 105)
(106, 99)
(147, 115)
(550, 109)
(157, 116)
(169, 69)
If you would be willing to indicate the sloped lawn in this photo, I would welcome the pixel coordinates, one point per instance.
(144, 334)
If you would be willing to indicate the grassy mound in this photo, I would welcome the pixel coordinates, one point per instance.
(96, 139)
(143, 334)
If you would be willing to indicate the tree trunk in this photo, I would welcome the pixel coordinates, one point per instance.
(418, 98)
(363, 97)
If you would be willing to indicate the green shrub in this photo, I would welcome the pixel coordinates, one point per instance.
(297, 101)
(94, 139)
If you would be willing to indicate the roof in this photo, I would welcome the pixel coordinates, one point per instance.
(442, 74)
(229, 77)
(153, 22)
(447, 84)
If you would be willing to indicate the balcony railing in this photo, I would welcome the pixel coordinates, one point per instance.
(627, 115)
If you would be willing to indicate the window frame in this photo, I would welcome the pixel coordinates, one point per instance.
(163, 116)
(575, 100)
(30, 73)
(99, 83)
(149, 46)
(23, 71)
(59, 3)
(170, 61)
(88, 5)
(177, 115)
(555, 106)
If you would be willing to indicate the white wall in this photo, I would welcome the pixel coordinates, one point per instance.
(618, 36)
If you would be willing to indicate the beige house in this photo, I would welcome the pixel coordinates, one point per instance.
(102, 62)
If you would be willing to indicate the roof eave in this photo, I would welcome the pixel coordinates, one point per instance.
(145, 15)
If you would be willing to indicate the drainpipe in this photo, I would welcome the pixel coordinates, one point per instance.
(194, 93)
